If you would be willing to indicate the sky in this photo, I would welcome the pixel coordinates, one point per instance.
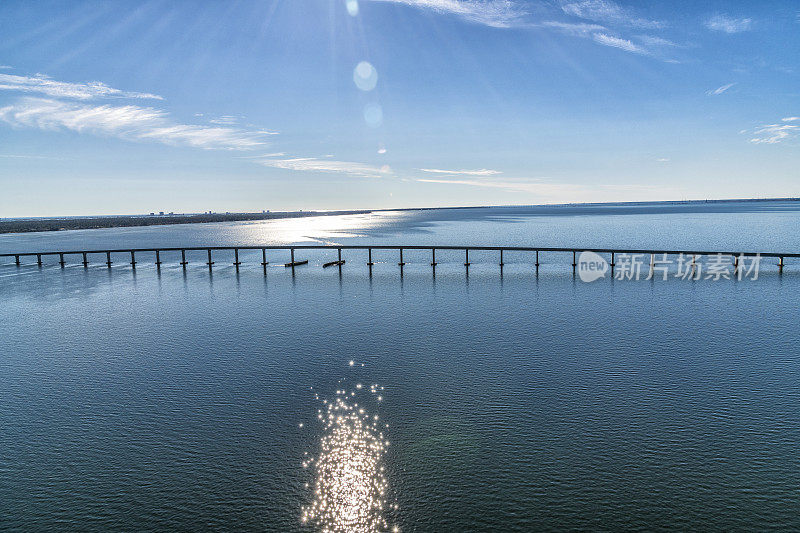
(246, 105)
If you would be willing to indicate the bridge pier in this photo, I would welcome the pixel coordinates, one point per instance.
(780, 265)
(369, 257)
(433, 258)
(209, 262)
(264, 261)
(133, 260)
(501, 259)
(466, 257)
(85, 260)
(39, 259)
(158, 260)
(61, 260)
(236, 261)
(183, 259)
(537, 260)
(108, 259)
(401, 263)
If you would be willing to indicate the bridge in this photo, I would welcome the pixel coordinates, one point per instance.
(295, 261)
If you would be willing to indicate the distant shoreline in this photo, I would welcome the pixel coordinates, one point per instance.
(30, 225)
(46, 224)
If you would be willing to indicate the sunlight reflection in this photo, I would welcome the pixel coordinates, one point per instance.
(318, 229)
(350, 487)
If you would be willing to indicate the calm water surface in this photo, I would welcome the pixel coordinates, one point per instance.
(161, 401)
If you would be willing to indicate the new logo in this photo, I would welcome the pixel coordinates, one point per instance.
(591, 266)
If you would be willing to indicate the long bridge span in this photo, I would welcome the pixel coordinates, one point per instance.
(611, 255)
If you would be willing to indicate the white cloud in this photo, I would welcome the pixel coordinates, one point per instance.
(125, 122)
(42, 84)
(607, 11)
(225, 120)
(517, 14)
(579, 28)
(616, 42)
(662, 160)
(310, 164)
(774, 133)
(719, 90)
(790, 119)
(536, 186)
(651, 40)
(494, 13)
(727, 24)
(478, 172)
(4, 67)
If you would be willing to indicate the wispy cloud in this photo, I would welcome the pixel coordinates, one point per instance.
(125, 122)
(616, 42)
(573, 28)
(536, 186)
(719, 90)
(310, 164)
(478, 172)
(607, 12)
(727, 24)
(494, 13)
(4, 67)
(42, 84)
(519, 14)
(19, 156)
(774, 133)
(651, 40)
(225, 120)
(790, 119)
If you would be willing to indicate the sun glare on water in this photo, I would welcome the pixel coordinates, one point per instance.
(350, 487)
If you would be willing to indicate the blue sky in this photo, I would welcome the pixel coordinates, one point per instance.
(132, 107)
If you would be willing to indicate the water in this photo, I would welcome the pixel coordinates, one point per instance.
(150, 401)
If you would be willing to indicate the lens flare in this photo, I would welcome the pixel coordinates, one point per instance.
(350, 487)
(365, 76)
(373, 115)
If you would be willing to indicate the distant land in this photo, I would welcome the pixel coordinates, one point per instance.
(36, 224)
